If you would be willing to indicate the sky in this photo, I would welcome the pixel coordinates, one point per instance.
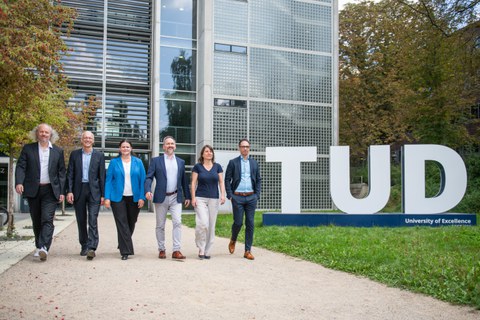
(341, 3)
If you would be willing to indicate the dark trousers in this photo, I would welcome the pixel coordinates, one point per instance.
(244, 206)
(42, 212)
(125, 213)
(86, 211)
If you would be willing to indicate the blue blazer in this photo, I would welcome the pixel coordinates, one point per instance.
(157, 170)
(233, 176)
(116, 179)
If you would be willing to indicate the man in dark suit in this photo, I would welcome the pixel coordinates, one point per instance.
(243, 185)
(86, 191)
(40, 177)
(171, 184)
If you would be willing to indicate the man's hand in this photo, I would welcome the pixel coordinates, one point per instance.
(70, 198)
(19, 188)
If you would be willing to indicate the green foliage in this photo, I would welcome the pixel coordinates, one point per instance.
(408, 73)
(31, 88)
(442, 262)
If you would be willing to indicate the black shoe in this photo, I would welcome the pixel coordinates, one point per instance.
(201, 256)
(84, 252)
(125, 257)
(90, 254)
(207, 257)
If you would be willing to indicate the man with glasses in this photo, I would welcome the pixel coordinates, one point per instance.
(243, 185)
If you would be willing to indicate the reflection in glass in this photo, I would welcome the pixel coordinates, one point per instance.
(177, 69)
(177, 119)
(178, 18)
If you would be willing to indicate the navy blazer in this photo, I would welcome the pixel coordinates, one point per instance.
(115, 181)
(157, 170)
(27, 171)
(233, 176)
(96, 174)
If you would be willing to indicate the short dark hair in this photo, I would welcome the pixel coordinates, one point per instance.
(241, 140)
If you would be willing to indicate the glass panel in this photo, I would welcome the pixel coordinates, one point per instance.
(292, 76)
(291, 24)
(177, 119)
(178, 18)
(177, 69)
(231, 21)
(230, 74)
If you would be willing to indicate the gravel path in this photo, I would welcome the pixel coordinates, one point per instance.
(273, 286)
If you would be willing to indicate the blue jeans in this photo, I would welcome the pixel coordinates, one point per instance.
(244, 206)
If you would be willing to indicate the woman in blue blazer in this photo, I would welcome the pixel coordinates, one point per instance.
(124, 192)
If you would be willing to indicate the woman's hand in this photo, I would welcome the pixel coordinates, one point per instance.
(106, 203)
(141, 203)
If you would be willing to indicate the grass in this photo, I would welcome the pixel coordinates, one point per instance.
(443, 262)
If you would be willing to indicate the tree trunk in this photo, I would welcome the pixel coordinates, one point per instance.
(11, 198)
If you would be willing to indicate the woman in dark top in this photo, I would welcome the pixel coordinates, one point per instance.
(207, 176)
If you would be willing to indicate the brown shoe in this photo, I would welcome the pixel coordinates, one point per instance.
(248, 255)
(178, 255)
(162, 255)
(231, 246)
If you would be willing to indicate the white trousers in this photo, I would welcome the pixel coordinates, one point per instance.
(206, 218)
(169, 205)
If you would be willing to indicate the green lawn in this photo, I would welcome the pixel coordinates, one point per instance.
(442, 262)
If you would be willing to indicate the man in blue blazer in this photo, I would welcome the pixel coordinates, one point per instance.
(86, 191)
(170, 190)
(243, 185)
(40, 177)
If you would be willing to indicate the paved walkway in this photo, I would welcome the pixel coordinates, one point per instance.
(274, 286)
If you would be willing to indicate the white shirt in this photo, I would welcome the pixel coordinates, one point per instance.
(44, 158)
(127, 186)
(172, 170)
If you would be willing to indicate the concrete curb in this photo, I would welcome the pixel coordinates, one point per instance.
(11, 252)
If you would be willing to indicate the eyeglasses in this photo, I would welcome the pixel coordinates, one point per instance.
(246, 147)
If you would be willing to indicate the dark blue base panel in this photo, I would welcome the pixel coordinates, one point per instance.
(369, 220)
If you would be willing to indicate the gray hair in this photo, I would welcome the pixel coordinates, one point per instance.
(169, 137)
(53, 137)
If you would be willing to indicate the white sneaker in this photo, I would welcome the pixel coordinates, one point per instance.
(36, 254)
(43, 253)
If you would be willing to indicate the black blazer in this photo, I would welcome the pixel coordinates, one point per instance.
(233, 176)
(27, 172)
(96, 174)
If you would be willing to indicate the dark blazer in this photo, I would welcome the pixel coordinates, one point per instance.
(233, 176)
(27, 172)
(96, 174)
(157, 170)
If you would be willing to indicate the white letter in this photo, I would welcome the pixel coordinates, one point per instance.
(453, 178)
(291, 157)
(378, 178)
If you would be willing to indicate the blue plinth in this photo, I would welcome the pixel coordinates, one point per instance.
(369, 220)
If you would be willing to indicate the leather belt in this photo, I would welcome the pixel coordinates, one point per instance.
(171, 193)
(44, 184)
(243, 194)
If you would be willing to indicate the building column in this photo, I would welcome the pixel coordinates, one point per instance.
(204, 112)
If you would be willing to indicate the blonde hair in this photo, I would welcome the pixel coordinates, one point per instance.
(53, 134)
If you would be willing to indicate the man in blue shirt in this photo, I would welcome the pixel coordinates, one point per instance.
(243, 185)
(86, 191)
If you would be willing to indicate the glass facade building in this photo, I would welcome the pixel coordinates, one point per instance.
(212, 72)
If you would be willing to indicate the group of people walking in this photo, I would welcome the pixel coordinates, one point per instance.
(43, 179)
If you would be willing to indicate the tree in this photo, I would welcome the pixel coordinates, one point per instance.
(446, 16)
(402, 79)
(32, 88)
